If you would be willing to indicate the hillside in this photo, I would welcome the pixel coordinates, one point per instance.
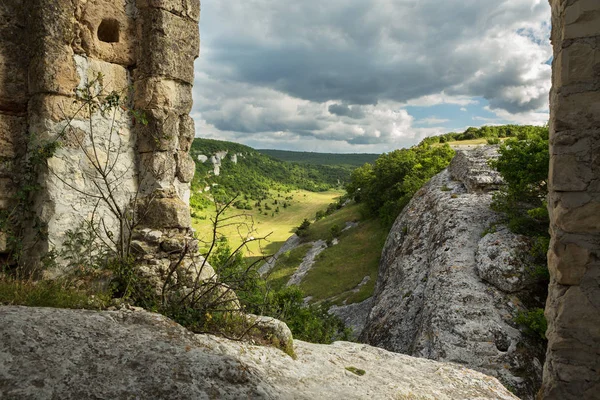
(305, 157)
(229, 169)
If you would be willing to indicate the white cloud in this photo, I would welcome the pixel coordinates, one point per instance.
(339, 74)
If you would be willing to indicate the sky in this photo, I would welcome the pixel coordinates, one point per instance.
(368, 75)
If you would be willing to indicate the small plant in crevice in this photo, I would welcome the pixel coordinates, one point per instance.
(534, 322)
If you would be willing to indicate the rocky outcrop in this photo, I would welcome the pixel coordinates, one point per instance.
(473, 170)
(572, 369)
(73, 354)
(307, 262)
(445, 277)
(354, 315)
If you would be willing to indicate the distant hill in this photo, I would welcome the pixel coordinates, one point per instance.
(304, 157)
(234, 169)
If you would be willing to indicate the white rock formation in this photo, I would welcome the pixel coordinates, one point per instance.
(290, 244)
(430, 300)
(216, 160)
(50, 353)
(307, 262)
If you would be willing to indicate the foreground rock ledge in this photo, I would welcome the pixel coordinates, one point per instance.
(50, 353)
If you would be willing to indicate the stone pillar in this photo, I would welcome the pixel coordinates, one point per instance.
(163, 92)
(572, 369)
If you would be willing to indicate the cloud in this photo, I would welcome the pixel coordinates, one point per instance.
(344, 70)
(343, 110)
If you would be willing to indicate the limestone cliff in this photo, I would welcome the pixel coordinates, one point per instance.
(73, 354)
(452, 279)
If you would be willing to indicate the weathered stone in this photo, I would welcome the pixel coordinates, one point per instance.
(106, 31)
(161, 133)
(354, 315)
(568, 173)
(12, 135)
(167, 213)
(567, 262)
(187, 131)
(585, 218)
(576, 111)
(79, 354)
(272, 332)
(581, 19)
(471, 168)
(54, 71)
(140, 248)
(154, 236)
(183, 8)
(158, 170)
(170, 45)
(172, 245)
(572, 361)
(186, 167)
(160, 93)
(579, 64)
(109, 77)
(14, 61)
(56, 108)
(503, 260)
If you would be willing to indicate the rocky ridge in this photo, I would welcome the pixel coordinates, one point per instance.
(76, 354)
(448, 285)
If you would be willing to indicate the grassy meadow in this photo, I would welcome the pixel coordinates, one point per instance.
(278, 225)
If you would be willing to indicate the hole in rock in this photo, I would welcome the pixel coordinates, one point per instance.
(108, 31)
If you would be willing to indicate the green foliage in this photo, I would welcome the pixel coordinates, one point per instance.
(255, 174)
(492, 133)
(310, 323)
(58, 294)
(302, 229)
(335, 230)
(303, 157)
(523, 163)
(388, 185)
(357, 371)
(534, 322)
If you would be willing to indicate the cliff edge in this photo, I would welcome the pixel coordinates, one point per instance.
(452, 278)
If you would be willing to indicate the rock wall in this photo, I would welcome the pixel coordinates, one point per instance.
(572, 369)
(14, 63)
(451, 280)
(73, 354)
(50, 51)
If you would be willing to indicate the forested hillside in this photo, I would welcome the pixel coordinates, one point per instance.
(386, 186)
(253, 176)
(305, 157)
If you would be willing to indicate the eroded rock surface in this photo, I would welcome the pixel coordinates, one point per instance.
(432, 297)
(75, 354)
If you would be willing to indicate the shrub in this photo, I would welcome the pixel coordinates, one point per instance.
(335, 230)
(302, 230)
(534, 322)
